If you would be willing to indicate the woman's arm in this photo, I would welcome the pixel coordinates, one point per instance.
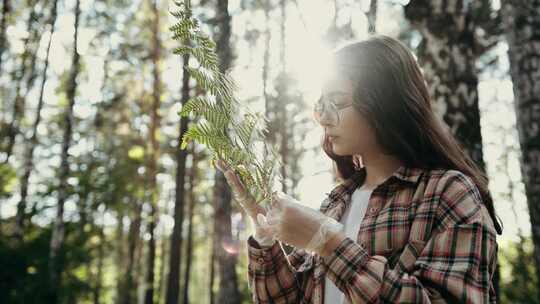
(271, 278)
(455, 264)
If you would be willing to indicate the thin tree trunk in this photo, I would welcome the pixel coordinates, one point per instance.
(270, 133)
(228, 284)
(154, 155)
(58, 233)
(372, 17)
(163, 269)
(6, 10)
(120, 254)
(189, 249)
(96, 292)
(212, 275)
(173, 282)
(33, 142)
(521, 19)
(283, 35)
(26, 69)
(127, 293)
(284, 119)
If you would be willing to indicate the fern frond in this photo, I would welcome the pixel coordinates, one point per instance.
(229, 136)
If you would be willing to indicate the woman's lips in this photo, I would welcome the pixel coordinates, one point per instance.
(332, 137)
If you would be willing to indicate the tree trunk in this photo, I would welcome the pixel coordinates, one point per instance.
(96, 292)
(212, 275)
(189, 248)
(6, 10)
(120, 254)
(270, 133)
(228, 284)
(127, 293)
(173, 282)
(284, 119)
(448, 59)
(58, 233)
(372, 17)
(29, 155)
(163, 268)
(154, 155)
(521, 19)
(26, 70)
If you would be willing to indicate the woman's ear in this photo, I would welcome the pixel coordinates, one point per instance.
(357, 161)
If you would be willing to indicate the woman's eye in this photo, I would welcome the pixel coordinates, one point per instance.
(340, 105)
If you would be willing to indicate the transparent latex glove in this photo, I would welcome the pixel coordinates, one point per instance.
(298, 225)
(255, 211)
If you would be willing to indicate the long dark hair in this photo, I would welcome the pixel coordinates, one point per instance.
(391, 93)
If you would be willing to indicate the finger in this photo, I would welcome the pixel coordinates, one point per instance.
(261, 219)
(278, 200)
(272, 230)
(273, 217)
(221, 165)
(235, 183)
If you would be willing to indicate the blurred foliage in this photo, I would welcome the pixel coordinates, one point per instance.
(519, 283)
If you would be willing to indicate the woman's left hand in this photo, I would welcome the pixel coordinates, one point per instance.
(300, 226)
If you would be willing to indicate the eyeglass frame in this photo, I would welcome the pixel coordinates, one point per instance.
(320, 108)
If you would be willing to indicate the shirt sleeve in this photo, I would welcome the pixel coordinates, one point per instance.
(455, 264)
(270, 276)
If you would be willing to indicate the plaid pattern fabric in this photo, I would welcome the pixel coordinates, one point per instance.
(426, 238)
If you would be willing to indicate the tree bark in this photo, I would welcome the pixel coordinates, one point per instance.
(270, 133)
(96, 292)
(173, 282)
(228, 284)
(521, 21)
(127, 293)
(26, 71)
(189, 248)
(6, 10)
(154, 156)
(212, 275)
(283, 117)
(33, 141)
(448, 59)
(372, 17)
(58, 233)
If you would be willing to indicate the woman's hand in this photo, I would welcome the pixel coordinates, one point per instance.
(248, 203)
(300, 226)
(239, 191)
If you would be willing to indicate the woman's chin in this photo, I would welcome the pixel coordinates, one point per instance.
(337, 151)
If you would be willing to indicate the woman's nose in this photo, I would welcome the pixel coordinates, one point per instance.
(325, 120)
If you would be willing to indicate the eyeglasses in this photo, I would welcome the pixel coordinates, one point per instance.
(331, 106)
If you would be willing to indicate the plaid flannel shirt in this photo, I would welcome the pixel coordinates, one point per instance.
(426, 238)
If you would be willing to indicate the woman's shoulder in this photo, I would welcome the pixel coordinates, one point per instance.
(440, 180)
(456, 196)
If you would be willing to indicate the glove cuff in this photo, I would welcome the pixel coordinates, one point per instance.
(264, 241)
(327, 228)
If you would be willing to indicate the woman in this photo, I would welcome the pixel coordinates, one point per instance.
(412, 220)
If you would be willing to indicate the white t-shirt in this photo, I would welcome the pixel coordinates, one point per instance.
(351, 220)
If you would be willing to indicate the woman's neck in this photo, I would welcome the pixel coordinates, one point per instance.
(378, 168)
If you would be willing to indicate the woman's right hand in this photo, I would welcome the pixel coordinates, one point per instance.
(239, 191)
(263, 235)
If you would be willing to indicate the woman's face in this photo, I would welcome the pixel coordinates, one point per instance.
(350, 133)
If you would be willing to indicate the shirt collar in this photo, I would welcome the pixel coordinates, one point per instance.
(404, 173)
(408, 174)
